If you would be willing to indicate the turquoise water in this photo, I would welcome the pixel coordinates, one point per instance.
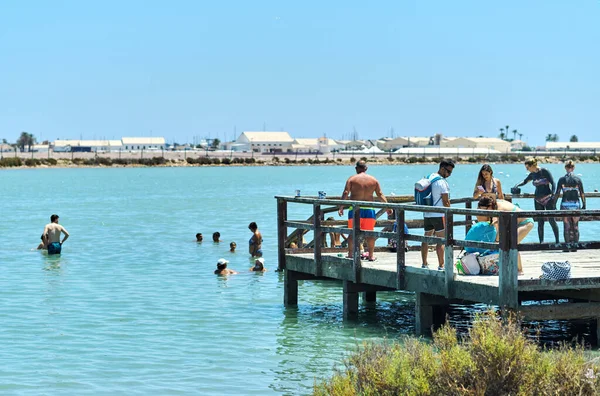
(132, 305)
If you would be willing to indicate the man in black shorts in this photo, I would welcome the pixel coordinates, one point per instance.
(434, 222)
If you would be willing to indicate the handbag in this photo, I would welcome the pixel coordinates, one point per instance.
(556, 270)
(468, 264)
(489, 264)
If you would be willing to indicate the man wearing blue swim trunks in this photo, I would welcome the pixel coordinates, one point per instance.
(51, 235)
(361, 187)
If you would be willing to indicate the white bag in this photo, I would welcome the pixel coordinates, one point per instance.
(468, 264)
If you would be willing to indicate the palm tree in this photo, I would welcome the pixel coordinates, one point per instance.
(507, 131)
(573, 139)
(26, 139)
(514, 134)
(520, 136)
(502, 135)
(549, 137)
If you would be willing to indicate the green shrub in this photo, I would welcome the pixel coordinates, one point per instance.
(249, 160)
(78, 161)
(495, 358)
(49, 161)
(237, 160)
(32, 162)
(352, 159)
(225, 161)
(411, 160)
(191, 160)
(8, 162)
(104, 161)
(276, 159)
(339, 160)
(215, 161)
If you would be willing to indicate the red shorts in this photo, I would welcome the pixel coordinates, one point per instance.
(367, 219)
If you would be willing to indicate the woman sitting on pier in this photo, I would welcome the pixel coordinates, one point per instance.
(571, 188)
(524, 226)
(487, 184)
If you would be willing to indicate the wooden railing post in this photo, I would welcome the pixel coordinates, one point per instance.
(508, 282)
(318, 238)
(468, 218)
(356, 263)
(281, 232)
(400, 253)
(449, 254)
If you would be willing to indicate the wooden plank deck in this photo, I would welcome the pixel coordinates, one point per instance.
(585, 273)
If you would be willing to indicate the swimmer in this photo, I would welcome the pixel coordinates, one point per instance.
(51, 235)
(199, 237)
(216, 236)
(222, 268)
(255, 243)
(259, 265)
(232, 247)
(42, 246)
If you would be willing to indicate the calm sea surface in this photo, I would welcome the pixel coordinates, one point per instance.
(132, 305)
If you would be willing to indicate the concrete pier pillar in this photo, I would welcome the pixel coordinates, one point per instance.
(430, 312)
(370, 296)
(350, 300)
(290, 288)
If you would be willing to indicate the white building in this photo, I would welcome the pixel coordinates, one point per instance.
(408, 141)
(477, 142)
(143, 143)
(575, 146)
(265, 142)
(86, 145)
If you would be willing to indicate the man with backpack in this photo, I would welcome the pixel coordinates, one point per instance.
(439, 196)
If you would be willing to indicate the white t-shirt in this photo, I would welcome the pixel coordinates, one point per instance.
(437, 189)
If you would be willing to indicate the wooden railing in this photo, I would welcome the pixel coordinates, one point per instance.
(506, 245)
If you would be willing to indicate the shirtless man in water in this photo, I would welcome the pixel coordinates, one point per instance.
(361, 187)
(51, 235)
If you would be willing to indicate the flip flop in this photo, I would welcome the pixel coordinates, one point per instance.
(364, 256)
(372, 259)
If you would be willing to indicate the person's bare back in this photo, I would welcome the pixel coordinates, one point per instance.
(361, 187)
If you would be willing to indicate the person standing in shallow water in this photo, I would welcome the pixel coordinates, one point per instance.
(571, 188)
(255, 242)
(542, 179)
(51, 235)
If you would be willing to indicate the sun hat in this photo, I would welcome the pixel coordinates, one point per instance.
(222, 261)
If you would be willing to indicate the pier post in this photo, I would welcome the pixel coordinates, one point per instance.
(290, 288)
(350, 300)
(318, 239)
(449, 255)
(357, 265)
(281, 233)
(429, 312)
(509, 256)
(468, 218)
(400, 252)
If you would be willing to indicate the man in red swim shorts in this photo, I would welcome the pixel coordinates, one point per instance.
(361, 187)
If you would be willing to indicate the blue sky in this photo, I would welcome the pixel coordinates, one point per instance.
(188, 69)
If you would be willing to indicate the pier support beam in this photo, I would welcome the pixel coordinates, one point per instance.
(290, 288)
(350, 300)
(430, 311)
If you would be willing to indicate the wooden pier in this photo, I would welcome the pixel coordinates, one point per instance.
(533, 298)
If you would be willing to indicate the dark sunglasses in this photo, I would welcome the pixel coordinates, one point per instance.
(448, 170)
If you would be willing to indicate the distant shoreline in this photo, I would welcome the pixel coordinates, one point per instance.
(168, 159)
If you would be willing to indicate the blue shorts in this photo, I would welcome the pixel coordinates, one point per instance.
(54, 248)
